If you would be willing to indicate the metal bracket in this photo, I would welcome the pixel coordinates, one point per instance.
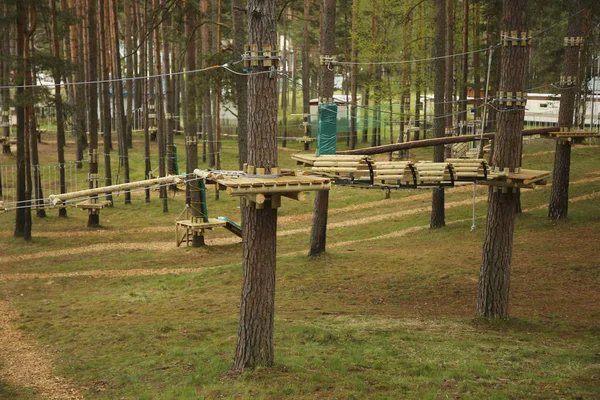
(266, 58)
(516, 99)
(191, 140)
(567, 81)
(516, 38)
(573, 41)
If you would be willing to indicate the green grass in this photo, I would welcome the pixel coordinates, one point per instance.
(379, 319)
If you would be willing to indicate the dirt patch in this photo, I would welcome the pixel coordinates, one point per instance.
(25, 364)
(112, 247)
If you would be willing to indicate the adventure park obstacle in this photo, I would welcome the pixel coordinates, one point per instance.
(362, 171)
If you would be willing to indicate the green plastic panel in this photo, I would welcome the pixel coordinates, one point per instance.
(326, 141)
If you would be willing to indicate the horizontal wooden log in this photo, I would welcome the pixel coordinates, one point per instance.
(327, 163)
(436, 142)
(333, 169)
(394, 177)
(171, 179)
(389, 171)
(342, 157)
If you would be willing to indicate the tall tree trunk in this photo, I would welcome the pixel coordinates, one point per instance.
(306, 71)
(284, 81)
(257, 307)
(169, 112)
(318, 237)
(241, 84)
(207, 107)
(118, 94)
(559, 196)
(92, 102)
(105, 87)
(476, 64)
(406, 73)
(494, 277)
(30, 115)
(449, 94)
(462, 106)
(294, 69)
(354, 76)
(146, 88)
(438, 217)
(23, 214)
(140, 40)
(218, 80)
(127, 5)
(195, 192)
(160, 112)
(419, 106)
(58, 103)
(5, 82)
(78, 98)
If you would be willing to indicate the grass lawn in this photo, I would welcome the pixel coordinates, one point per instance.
(387, 313)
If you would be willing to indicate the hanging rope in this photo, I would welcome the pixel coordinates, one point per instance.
(473, 227)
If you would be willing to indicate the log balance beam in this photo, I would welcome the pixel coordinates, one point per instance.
(61, 198)
(436, 142)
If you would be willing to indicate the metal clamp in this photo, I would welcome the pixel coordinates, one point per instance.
(516, 38)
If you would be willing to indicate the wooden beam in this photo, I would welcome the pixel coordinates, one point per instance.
(435, 142)
(59, 198)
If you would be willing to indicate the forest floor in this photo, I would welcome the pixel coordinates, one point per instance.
(388, 312)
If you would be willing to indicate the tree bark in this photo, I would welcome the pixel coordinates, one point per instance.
(241, 84)
(105, 87)
(78, 91)
(147, 89)
(23, 214)
(206, 96)
(5, 43)
(92, 103)
(194, 188)
(257, 307)
(284, 81)
(318, 237)
(449, 89)
(462, 106)
(169, 111)
(127, 6)
(354, 76)
(494, 277)
(306, 70)
(118, 95)
(559, 196)
(476, 64)
(438, 218)
(159, 108)
(58, 103)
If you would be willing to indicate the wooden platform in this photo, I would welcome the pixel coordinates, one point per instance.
(570, 134)
(258, 189)
(187, 228)
(306, 160)
(520, 179)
